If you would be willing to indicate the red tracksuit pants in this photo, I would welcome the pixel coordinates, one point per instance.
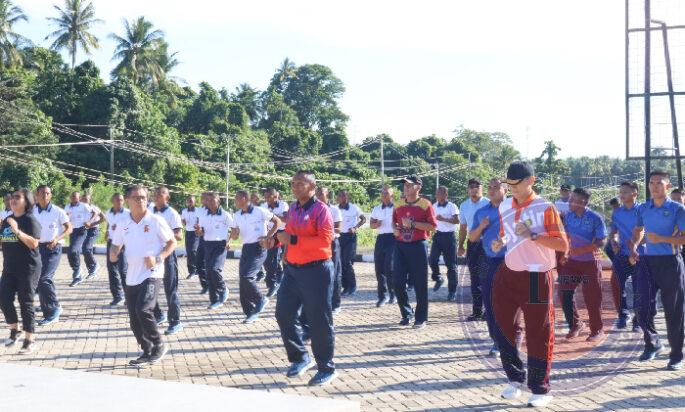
(532, 293)
(588, 274)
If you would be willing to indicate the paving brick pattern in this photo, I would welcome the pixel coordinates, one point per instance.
(382, 365)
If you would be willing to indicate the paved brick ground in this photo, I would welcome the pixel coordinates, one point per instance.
(382, 365)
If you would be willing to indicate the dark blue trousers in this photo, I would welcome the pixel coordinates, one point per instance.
(487, 278)
(383, 253)
(192, 242)
(77, 240)
(348, 250)
(47, 294)
(624, 270)
(663, 273)
(445, 244)
(309, 289)
(89, 248)
(200, 262)
(170, 291)
(117, 273)
(411, 261)
(474, 254)
(273, 266)
(215, 257)
(337, 273)
(251, 260)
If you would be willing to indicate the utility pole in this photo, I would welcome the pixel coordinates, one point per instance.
(110, 131)
(648, 97)
(228, 165)
(437, 176)
(382, 165)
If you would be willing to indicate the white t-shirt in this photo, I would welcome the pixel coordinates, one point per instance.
(114, 221)
(79, 214)
(280, 210)
(447, 211)
(51, 221)
(337, 217)
(252, 225)
(171, 217)
(191, 217)
(96, 217)
(350, 216)
(384, 214)
(145, 238)
(215, 226)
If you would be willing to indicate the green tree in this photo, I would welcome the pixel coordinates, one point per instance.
(138, 52)
(73, 28)
(10, 40)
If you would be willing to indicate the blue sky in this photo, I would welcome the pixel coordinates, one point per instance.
(531, 68)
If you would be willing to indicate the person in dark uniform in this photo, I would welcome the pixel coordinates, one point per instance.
(444, 243)
(273, 266)
(55, 226)
(19, 236)
(116, 215)
(92, 232)
(352, 219)
(189, 218)
(384, 248)
(307, 282)
(660, 269)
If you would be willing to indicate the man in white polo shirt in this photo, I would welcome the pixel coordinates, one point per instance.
(444, 243)
(213, 227)
(190, 217)
(474, 250)
(92, 233)
(353, 219)
(173, 219)
(148, 241)
(116, 271)
(564, 196)
(79, 213)
(272, 265)
(55, 227)
(383, 252)
(250, 222)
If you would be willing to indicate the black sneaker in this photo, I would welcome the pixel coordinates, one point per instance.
(75, 282)
(392, 299)
(451, 296)
(141, 360)
(204, 290)
(158, 352)
(650, 354)
(116, 302)
(190, 275)
(260, 276)
(475, 317)
(438, 284)
(15, 334)
(27, 347)
(622, 323)
(382, 302)
(405, 322)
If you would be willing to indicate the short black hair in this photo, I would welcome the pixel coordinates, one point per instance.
(117, 194)
(582, 192)
(660, 173)
(242, 193)
(631, 185)
(270, 190)
(677, 191)
(613, 201)
(306, 173)
(133, 188)
(43, 186)
(28, 198)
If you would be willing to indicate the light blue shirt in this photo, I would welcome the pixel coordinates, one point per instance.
(666, 220)
(468, 208)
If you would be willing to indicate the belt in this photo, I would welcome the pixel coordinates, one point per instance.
(306, 265)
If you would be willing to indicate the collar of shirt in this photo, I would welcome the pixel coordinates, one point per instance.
(75, 205)
(275, 205)
(47, 209)
(390, 205)
(114, 212)
(652, 205)
(249, 210)
(443, 204)
(305, 206)
(189, 209)
(162, 210)
(515, 204)
(218, 211)
(346, 207)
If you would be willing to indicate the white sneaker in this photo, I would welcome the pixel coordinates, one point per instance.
(539, 400)
(512, 391)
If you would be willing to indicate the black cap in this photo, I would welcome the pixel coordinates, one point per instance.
(474, 181)
(414, 179)
(565, 187)
(518, 171)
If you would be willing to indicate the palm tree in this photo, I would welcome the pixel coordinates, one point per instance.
(73, 25)
(9, 39)
(138, 52)
(285, 72)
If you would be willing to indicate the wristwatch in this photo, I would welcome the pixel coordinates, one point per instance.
(534, 236)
